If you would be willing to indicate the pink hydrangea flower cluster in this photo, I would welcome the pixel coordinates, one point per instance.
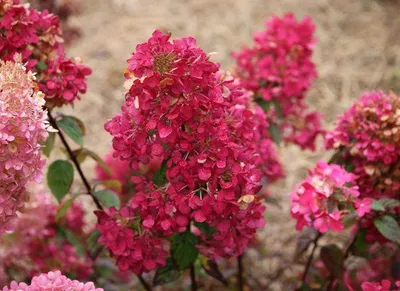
(253, 129)
(324, 198)
(52, 281)
(23, 125)
(384, 285)
(38, 38)
(278, 70)
(369, 133)
(38, 243)
(368, 136)
(179, 111)
(379, 261)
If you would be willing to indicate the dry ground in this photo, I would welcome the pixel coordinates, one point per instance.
(358, 50)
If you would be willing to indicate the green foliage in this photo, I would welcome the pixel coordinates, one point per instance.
(160, 177)
(206, 228)
(73, 127)
(388, 227)
(108, 198)
(48, 145)
(59, 178)
(63, 209)
(183, 250)
(83, 153)
(275, 133)
(166, 274)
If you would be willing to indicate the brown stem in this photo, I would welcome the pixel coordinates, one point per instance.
(74, 161)
(193, 278)
(144, 283)
(310, 258)
(86, 184)
(192, 271)
(345, 256)
(240, 278)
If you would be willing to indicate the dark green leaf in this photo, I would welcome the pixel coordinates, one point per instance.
(108, 198)
(265, 105)
(72, 128)
(166, 274)
(333, 259)
(212, 269)
(49, 144)
(41, 65)
(160, 177)
(183, 250)
(59, 178)
(206, 228)
(63, 208)
(388, 227)
(360, 246)
(275, 133)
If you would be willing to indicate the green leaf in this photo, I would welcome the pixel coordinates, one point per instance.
(111, 184)
(377, 206)
(108, 198)
(278, 108)
(360, 245)
(73, 239)
(41, 66)
(166, 274)
(275, 133)
(333, 259)
(385, 204)
(49, 144)
(265, 105)
(183, 250)
(72, 128)
(63, 208)
(388, 227)
(206, 228)
(82, 153)
(59, 178)
(160, 177)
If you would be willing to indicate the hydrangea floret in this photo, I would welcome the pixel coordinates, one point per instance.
(23, 125)
(278, 70)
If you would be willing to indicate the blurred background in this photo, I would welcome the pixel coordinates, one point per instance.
(358, 49)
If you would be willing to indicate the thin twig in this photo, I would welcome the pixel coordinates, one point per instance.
(193, 278)
(192, 271)
(310, 258)
(86, 184)
(345, 256)
(144, 283)
(240, 278)
(74, 161)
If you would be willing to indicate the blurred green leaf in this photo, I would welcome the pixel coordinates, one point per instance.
(64, 207)
(166, 274)
(108, 198)
(48, 145)
(388, 227)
